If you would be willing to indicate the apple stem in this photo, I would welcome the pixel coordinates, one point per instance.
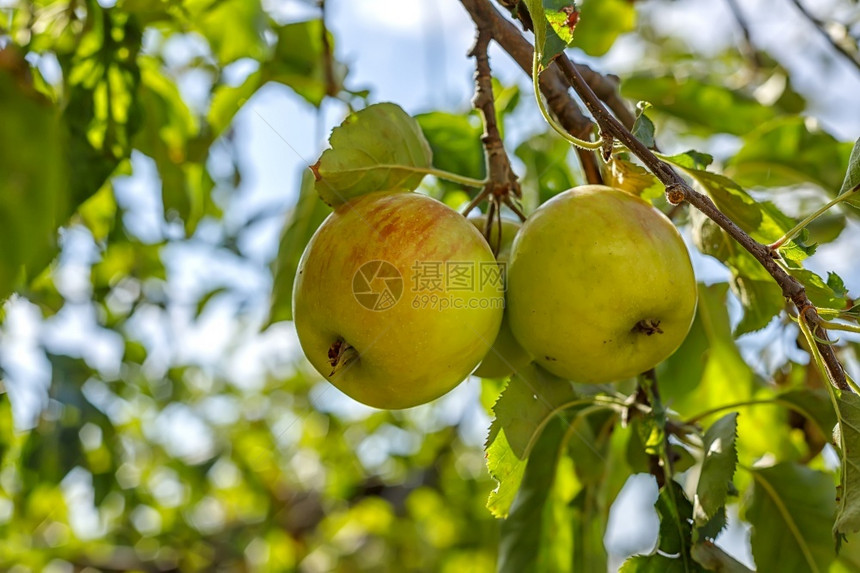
(340, 355)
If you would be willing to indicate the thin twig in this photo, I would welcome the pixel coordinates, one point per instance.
(331, 88)
(747, 47)
(515, 208)
(821, 26)
(501, 182)
(552, 83)
(500, 174)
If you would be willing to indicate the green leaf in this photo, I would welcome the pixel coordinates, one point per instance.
(562, 17)
(709, 107)
(819, 292)
(675, 536)
(852, 175)
(600, 24)
(170, 136)
(547, 42)
(301, 62)
(234, 28)
(643, 127)
(302, 221)
(756, 290)
(712, 528)
(54, 447)
(530, 400)
(815, 405)
(676, 515)
(547, 169)
(848, 515)
(682, 372)
(725, 376)
(791, 511)
(102, 110)
(33, 183)
(718, 467)
(379, 148)
(789, 151)
(725, 379)
(761, 299)
(836, 284)
(763, 221)
(691, 159)
(623, 174)
(7, 423)
(587, 445)
(98, 213)
(523, 532)
(455, 141)
(589, 509)
(227, 100)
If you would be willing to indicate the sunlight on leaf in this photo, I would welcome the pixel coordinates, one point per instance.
(848, 439)
(379, 148)
(718, 467)
(790, 151)
(302, 221)
(791, 511)
(529, 401)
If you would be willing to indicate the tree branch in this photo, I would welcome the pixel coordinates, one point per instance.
(553, 85)
(331, 87)
(821, 26)
(678, 190)
(502, 178)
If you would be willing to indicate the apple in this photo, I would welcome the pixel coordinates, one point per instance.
(506, 355)
(395, 301)
(600, 285)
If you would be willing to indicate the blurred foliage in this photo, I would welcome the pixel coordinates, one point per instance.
(163, 462)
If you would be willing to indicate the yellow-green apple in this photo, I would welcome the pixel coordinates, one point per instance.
(600, 285)
(506, 355)
(395, 300)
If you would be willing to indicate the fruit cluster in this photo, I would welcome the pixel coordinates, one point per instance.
(398, 297)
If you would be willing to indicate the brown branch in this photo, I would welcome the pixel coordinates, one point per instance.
(821, 26)
(502, 182)
(678, 190)
(500, 174)
(552, 84)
